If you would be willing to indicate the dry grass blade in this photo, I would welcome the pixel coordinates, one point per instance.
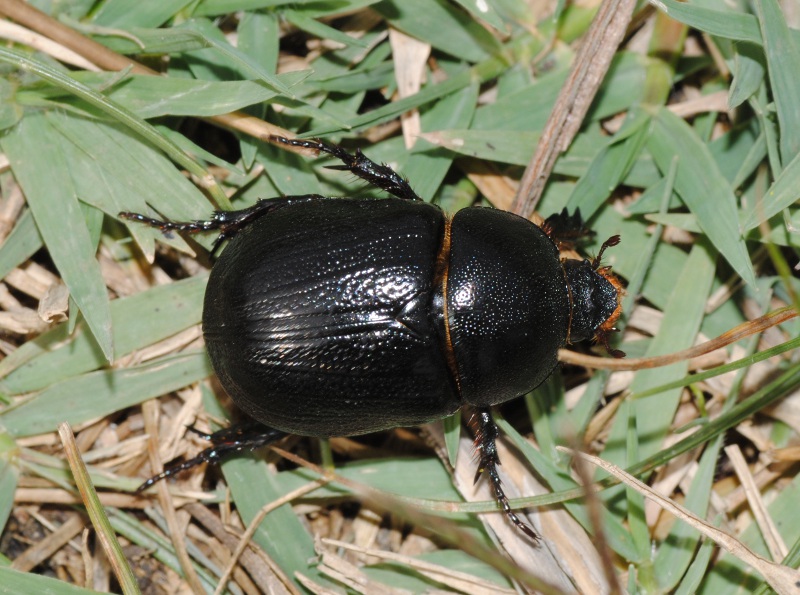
(410, 57)
(96, 513)
(567, 557)
(91, 50)
(110, 60)
(439, 526)
(777, 547)
(263, 571)
(15, 33)
(459, 580)
(251, 529)
(781, 578)
(39, 552)
(150, 411)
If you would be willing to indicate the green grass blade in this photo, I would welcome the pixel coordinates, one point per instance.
(483, 11)
(152, 541)
(217, 7)
(126, 13)
(9, 476)
(101, 393)
(748, 73)
(124, 116)
(253, 487)
(619, 537)
(697, 570)
(428, 167)
(213, 37)
(14, 582)
(727, 23)
(783, 62)
(444, 26)
(321, 30)
(678, 330)
(637, 522)
(676, 554)
(702, 187)
(54, 204)
(610, 166)
(23, 241)
(138, 321)
(97, 514)
(192, 97)
(729, 570)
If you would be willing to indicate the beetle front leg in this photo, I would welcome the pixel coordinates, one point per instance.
(566, 230)
(228, 223)
(377, 174)
(236, 438)
(486, 433)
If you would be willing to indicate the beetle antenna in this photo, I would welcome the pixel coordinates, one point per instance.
(486, 433)
(612, 241)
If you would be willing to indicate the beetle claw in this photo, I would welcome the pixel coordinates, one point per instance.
(193, 429)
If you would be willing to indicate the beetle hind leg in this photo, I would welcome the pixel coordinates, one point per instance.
(225, 442)
(377, 174)
(486, 433)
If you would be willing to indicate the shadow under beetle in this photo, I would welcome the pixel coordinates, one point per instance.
(343, 316)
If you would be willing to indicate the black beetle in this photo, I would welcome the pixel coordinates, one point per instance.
(343, 316)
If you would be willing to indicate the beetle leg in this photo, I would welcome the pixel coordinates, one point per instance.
(228, 223)
(486, 433)
(566, 230)
(377, 174)
(236, 438)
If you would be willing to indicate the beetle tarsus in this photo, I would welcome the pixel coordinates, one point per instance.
(486, 433)
(378, 174)
(163, 225)
(244, 436)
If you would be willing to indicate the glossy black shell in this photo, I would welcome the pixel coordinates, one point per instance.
(318, 321)
(327, 317)
(508, 305)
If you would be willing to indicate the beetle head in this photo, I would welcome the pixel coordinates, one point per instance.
(595, 299)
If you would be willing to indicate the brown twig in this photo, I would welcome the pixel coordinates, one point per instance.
(737, 333)
(28, 16)
(590, 66)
